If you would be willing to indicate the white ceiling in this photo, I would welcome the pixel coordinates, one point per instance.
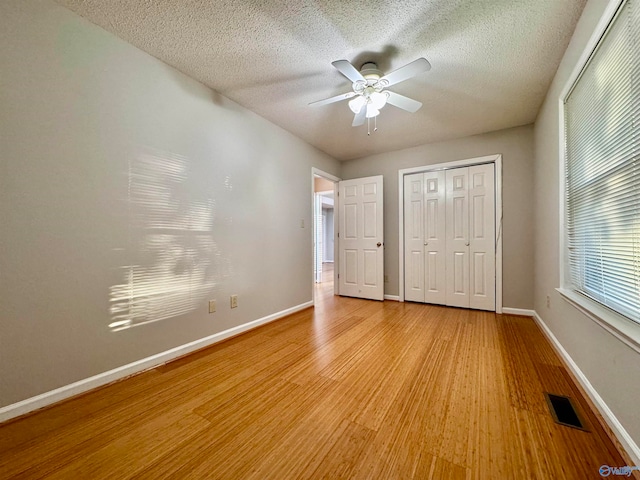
(492, 60)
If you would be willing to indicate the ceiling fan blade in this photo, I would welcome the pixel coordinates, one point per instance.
(405, 103)
(348, 70)
(360, 117)
(409, 70)
(337, 98)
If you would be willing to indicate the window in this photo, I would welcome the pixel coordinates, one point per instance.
(602, 169)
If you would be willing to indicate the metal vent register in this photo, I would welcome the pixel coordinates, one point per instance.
(563, 411)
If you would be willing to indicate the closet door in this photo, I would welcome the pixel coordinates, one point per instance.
(482, 251)
(457, 237)
(414, 237)
(449, 237)
(435, 237)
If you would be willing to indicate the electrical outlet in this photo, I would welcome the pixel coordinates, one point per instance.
(302, 223)
(234, 301)
(386, 279)
(548, 301)
(212, 306)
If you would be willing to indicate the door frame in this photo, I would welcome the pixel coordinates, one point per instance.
(316, 172)
(497, 161)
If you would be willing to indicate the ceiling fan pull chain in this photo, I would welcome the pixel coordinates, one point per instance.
(375, 123)
(368, 126)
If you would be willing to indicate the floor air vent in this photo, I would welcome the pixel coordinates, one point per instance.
(563, 411)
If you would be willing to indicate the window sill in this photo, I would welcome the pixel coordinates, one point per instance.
(620, 327)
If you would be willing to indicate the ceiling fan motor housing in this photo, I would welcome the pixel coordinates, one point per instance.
(370, 71)
(372, 82)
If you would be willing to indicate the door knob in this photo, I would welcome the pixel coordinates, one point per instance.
(379, 244)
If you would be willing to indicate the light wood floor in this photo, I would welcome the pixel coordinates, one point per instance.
(352, 389)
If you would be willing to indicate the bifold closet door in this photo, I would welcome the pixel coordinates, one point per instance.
(424, 236)
(449, 232)
(482, 236)
(471, 237)
(414, 237)
(457, 237)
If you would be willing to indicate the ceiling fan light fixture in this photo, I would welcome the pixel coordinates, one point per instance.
(357, 103)
(372, 111)
(379, 99)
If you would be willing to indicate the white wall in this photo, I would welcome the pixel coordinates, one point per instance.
(105, 151)
(328, 234)
(516, 147)
(611, 367)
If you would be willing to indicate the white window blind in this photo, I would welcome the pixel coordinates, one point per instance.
(602, 141)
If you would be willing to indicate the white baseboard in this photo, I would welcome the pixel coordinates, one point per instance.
(518, 311)
(619, 431)
(62, 393)
(393, 298)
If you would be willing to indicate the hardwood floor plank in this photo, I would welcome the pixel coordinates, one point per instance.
(383, 385)
(325, 354)
(18, 432)
(350, 389)
(143, 444)
(236, 439)
(340, 460)
(414, 423)
(304, 444)
(441, 469)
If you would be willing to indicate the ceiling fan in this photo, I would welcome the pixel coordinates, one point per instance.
(369, 84)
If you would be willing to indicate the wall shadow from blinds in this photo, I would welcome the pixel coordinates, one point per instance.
(173, 261)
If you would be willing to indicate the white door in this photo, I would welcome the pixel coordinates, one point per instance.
(361, 238)
(424, 213)
(457, 237)
(435, 237)
(414, 237)
(450, 238)
(482, 252)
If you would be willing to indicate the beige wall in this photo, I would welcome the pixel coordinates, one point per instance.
(516, 147)
(610, 366)
(83, 117)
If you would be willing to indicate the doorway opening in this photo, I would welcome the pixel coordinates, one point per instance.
(324, 233)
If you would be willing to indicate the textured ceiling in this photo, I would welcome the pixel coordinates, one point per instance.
(492, 60)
